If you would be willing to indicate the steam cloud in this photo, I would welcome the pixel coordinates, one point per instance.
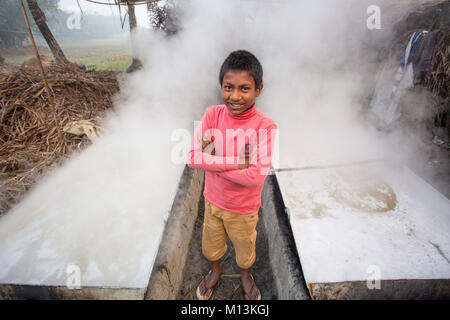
(318, 59)
(319, 64)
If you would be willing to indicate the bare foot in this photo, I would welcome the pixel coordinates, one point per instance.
(206, 286)
(251, 291)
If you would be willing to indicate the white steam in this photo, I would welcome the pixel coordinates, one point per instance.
(316, 71)
(104, 210)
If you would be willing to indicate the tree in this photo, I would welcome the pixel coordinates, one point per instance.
(40, 20)
(163, 15)
(136, 64)
(12, 25)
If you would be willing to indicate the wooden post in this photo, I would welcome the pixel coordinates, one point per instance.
(136, 63)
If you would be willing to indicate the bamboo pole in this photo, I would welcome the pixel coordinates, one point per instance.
(328, 166)
(44, 79)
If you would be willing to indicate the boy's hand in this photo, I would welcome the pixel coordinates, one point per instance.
(244, 163)
(207, 145)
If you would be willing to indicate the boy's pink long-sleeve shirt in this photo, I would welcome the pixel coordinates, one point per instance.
(227, 186)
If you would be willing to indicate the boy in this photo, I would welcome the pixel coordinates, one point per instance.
(233, 144)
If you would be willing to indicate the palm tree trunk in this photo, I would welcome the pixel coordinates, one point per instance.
(39, 18)
(132, 16)
(136, 64)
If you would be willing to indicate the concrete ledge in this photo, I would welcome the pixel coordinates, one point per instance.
(24, 292)
(410, 289)
(283, 255)
(167, 274)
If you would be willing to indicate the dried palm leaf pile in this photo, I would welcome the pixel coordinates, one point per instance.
(439, 82)
(32, 136)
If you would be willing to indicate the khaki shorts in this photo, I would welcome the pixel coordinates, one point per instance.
(218, 224)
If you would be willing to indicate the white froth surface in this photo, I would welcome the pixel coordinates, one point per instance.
(348, 222)
(102, 212)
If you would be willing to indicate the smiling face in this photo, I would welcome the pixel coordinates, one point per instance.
(239, 91)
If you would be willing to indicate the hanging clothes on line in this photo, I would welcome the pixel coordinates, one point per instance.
(414, 41)
(389, 89)
(423, 60)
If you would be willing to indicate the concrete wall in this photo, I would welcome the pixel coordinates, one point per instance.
(408, 289)
(167, 274)
(282, 249)
(29, 292)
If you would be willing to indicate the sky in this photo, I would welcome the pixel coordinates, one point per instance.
(89, 7)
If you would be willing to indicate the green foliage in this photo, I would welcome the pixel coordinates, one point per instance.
(103, 54)
(163, 16)
(106, 54)
(13, 30)
(12, 24)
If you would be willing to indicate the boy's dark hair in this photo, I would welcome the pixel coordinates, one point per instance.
(242, 60)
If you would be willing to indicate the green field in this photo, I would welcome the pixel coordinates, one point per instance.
(108, 54)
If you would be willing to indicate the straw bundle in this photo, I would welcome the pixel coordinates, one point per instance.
(439, 82)
(31, 137)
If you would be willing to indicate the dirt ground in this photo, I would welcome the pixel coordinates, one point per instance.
(228, 288)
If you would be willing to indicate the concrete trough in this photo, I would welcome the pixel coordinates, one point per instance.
(316, 248)
(384, 237)
(373, 231)
(166, 277)
(16, 282)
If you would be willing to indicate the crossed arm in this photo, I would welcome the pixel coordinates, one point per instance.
(202, 156)
(257, 165)
(250, 172)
